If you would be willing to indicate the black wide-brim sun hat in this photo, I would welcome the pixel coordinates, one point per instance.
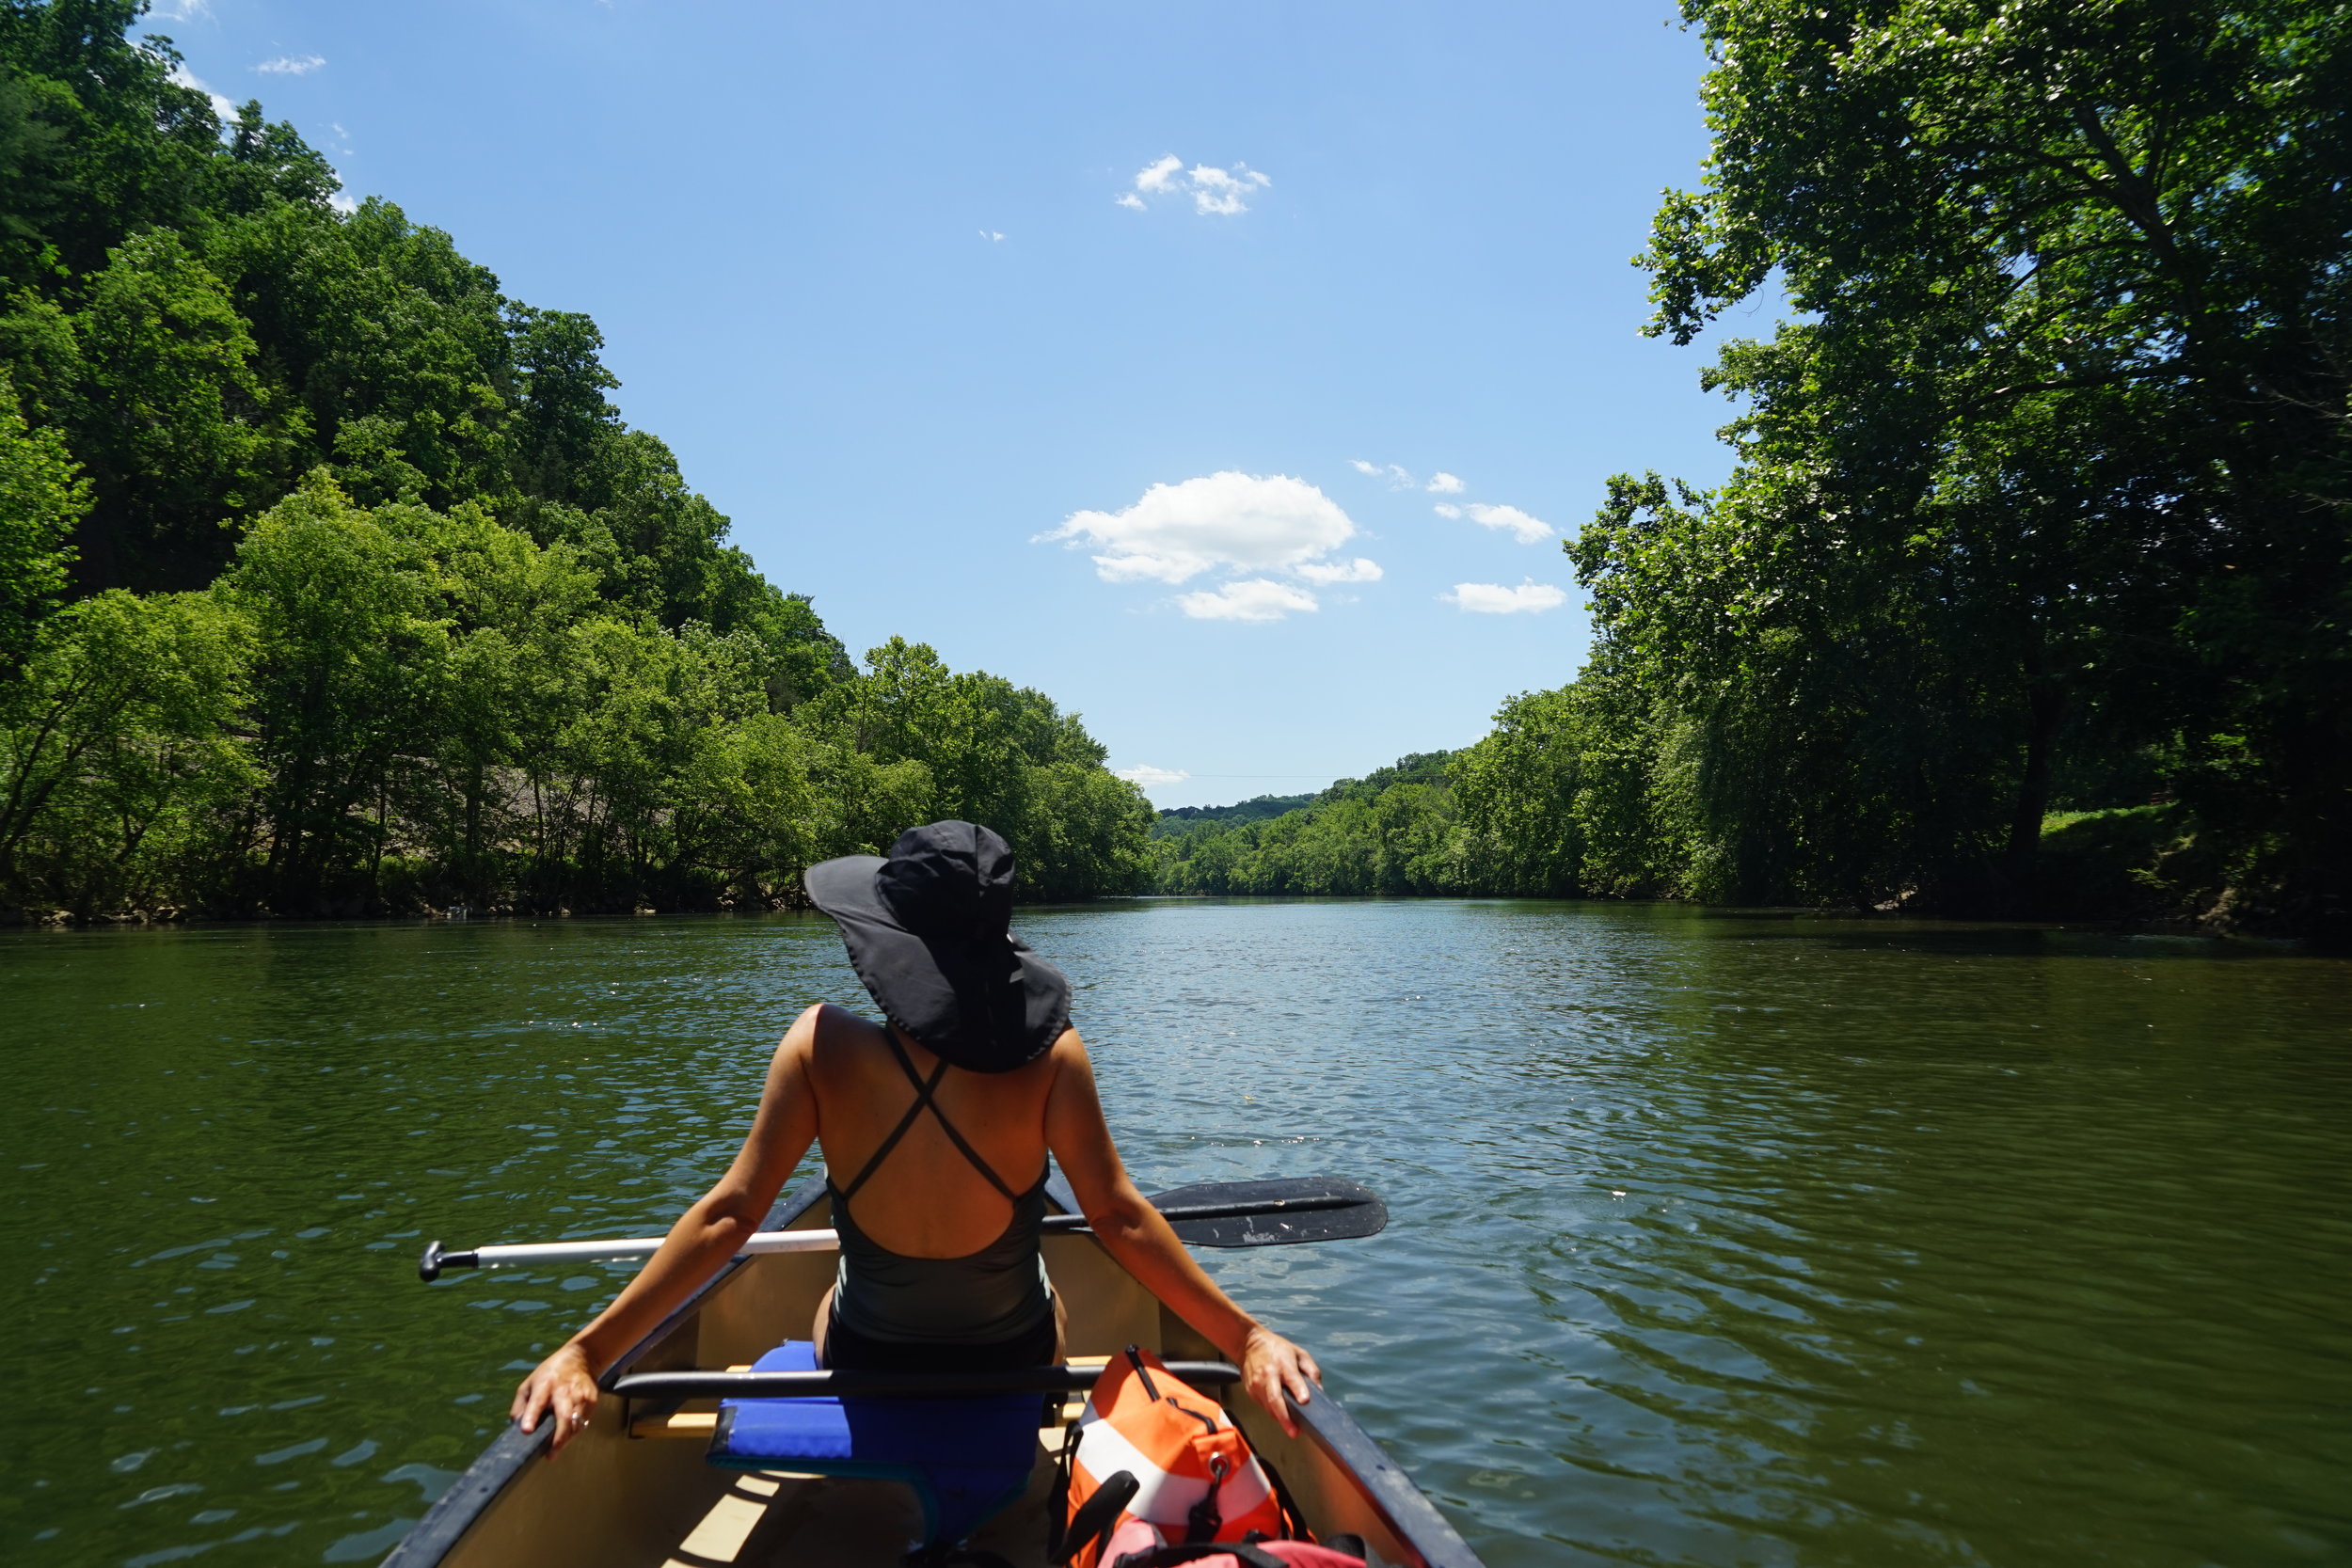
(929, 928)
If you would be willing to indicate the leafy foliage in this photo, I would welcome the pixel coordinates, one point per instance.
(376, 601)
(2050, 475)
(2041, 503)
(40, 497)
(2042, 499)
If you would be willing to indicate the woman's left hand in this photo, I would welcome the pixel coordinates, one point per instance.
(561, 1389)
(1273, 1367)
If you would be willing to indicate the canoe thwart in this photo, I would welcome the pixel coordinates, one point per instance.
(1058, 1378)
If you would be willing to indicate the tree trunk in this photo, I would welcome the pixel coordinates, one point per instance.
(2045, 705)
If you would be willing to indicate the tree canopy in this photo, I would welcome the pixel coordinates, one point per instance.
(2042, 496)
(2043, 489)
(331, 578)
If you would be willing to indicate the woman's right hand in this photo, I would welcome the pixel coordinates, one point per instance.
(561, 1390)
(1271, 1368)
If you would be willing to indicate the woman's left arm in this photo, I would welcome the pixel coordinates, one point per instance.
(706, 1236)
(1275, 1370)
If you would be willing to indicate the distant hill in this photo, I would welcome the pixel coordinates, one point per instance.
(1420, 768)
(1397, 830)
(1257, 810)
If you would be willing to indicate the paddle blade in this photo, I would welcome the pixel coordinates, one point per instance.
(1279, 1211)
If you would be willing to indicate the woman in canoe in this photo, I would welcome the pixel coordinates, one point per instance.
(939, 1117)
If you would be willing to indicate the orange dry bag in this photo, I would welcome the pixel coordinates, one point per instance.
(1151, 1450)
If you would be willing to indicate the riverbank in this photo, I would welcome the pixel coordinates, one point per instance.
(2136, 871)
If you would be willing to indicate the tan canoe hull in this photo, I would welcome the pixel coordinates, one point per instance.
(624, 1499)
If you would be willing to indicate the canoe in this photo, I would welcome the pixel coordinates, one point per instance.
(633, 1489)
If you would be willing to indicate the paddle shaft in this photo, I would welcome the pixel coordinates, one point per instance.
(531, 1254)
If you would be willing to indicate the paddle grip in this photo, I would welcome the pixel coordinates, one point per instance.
(433, 1260)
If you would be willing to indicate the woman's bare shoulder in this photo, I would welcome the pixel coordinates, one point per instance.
(829, 1023)
(827, 1032)
(1068, 1055)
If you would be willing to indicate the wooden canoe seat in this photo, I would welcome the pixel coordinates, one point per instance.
(700, 1424)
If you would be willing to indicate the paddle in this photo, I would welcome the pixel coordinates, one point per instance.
(1211, 1213)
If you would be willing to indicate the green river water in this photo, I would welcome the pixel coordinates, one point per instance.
(1716, 1239)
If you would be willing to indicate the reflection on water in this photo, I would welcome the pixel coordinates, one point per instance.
(1716, 1239)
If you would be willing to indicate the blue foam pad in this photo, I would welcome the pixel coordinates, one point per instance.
(966, 1458)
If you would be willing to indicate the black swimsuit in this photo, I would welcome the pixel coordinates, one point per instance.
(988, 1310)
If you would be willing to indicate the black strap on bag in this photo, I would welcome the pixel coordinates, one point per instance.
(1294, 1522)
(943, 1555)
(1205, 1518)
(1058, 1514)
(1243, 1552)
(1099, 1514)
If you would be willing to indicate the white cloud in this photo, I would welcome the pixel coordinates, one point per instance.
(1491, 598)
(1443, 483)
(183, 76)
(1248, 527)
(286, 65)
(343, 203)
(1392, 476)
(1526, 530)
(991, 235)
(1149, 776)
(1157, 177)
(1251, 599)
(1237, 521)
(1215, 191)
(181, 11)
(1326, 575)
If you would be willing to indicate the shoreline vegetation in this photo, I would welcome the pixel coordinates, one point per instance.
(333, 584)
(337, 586)
(2030, 592)
(1442, 825)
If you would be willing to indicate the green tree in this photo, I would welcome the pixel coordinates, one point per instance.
(351, 671)
(1517, 792)
(179, 429)
(42, 496)
(120, 771)
(2052, 454)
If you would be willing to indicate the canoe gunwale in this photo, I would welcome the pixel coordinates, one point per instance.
(1391, 1493)
(497, 1466)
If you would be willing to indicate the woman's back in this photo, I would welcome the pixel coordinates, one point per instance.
(925, 1197)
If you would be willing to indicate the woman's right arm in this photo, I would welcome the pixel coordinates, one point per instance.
(705, 1237)
(1134, 1232)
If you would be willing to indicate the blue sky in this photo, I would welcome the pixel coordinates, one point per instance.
(1059, 335)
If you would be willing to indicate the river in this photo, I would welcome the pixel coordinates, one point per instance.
(1716, 1238)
